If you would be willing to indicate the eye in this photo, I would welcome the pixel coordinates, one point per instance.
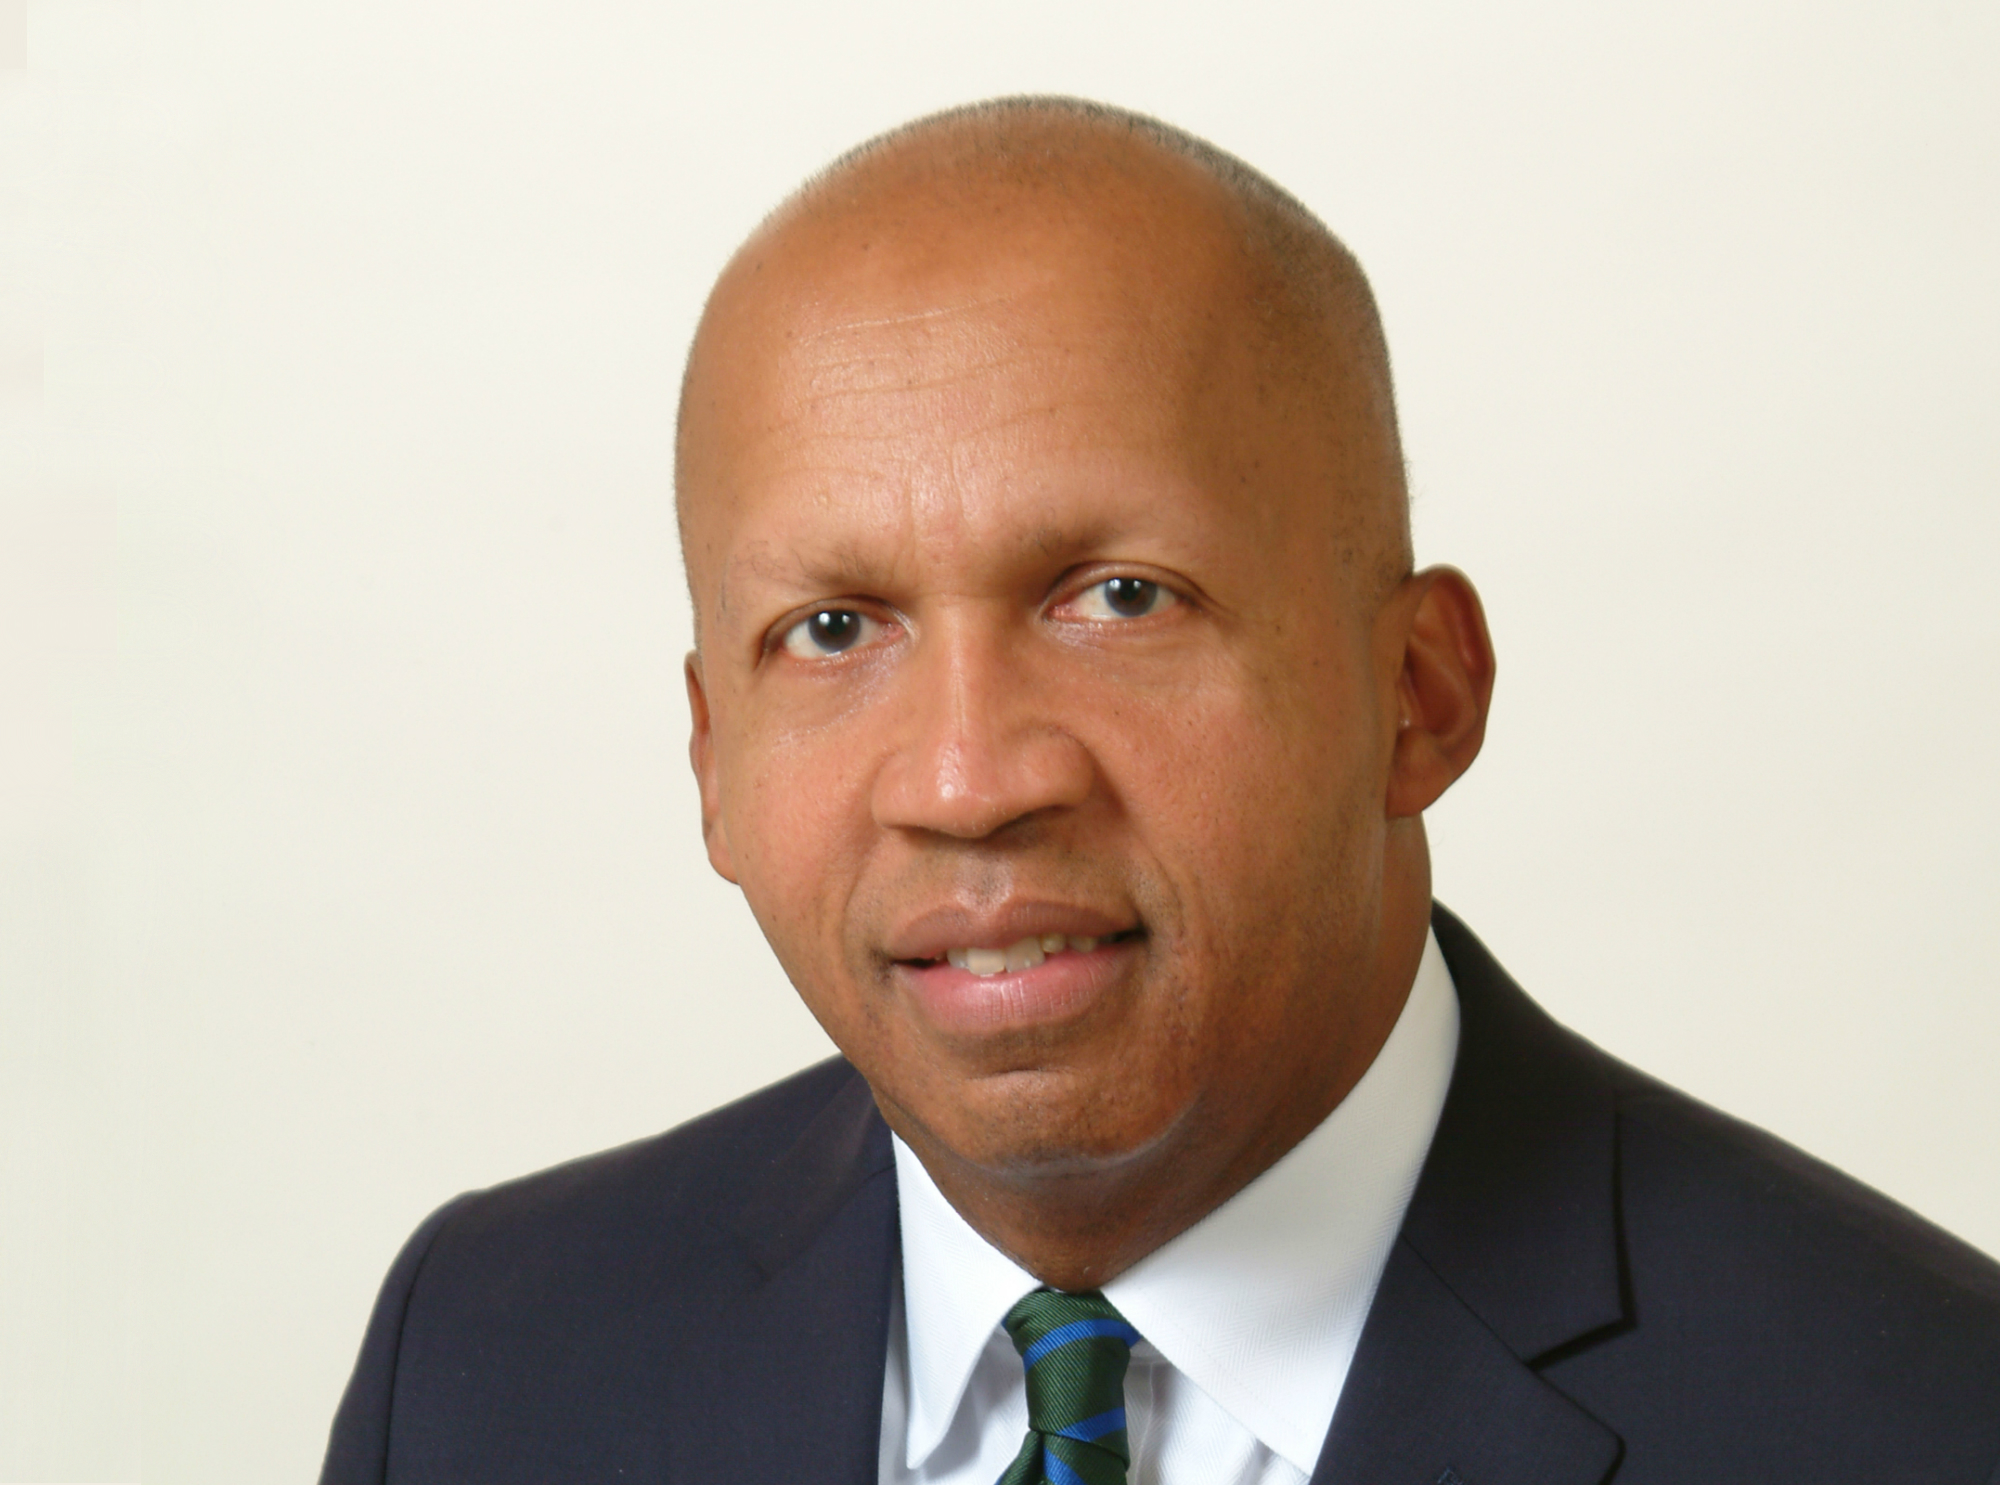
(1123, 598)
(829, 631)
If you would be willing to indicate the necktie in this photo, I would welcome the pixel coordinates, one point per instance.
(1075, 1348)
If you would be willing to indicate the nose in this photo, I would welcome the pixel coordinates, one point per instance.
(979, 740)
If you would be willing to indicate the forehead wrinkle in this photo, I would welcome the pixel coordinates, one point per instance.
(818, 550)
(955, 450)
(908, 318)
(932, 387)
(831, 388)
(892, 367)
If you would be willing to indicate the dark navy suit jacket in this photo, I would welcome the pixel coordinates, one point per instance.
(1598, 1279)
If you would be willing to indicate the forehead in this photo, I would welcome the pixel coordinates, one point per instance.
(1014, 367)
(991, 365)
(860, 299)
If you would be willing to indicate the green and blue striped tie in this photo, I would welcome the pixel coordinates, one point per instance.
(1075, 1348)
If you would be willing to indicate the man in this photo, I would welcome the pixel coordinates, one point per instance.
(1066, 704)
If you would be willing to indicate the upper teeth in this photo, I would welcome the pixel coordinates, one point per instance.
(1026, 954)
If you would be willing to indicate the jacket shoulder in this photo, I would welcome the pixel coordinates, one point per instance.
(690, 1175)
(532, 1326)
(1785, 1316)
(1753, 1313)
(1728, 1170)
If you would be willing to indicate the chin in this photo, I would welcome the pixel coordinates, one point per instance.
(1027, 1129)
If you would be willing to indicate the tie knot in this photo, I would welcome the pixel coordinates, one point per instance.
(1075, 1348)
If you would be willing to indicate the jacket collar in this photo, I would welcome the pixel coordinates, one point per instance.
(1517, 1206)
(787, 1383)
(1509, 1253)
(841, 1150)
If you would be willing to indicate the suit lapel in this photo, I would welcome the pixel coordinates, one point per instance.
(1509, 1252)
(1517, 1207)
(1434, 1398)
(787, 1383)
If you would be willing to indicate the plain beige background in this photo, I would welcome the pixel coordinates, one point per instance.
(349, 856)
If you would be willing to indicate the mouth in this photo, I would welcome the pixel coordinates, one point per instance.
(1023, 954)
(1034, 983)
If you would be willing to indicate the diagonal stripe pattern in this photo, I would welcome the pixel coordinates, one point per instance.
(1075, 1348)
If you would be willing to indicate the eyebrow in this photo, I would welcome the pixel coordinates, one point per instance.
(831, 565)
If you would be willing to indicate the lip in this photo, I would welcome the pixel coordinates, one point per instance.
(932, 934)
(1061, 988)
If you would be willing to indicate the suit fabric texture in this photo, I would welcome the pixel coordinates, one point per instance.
(1598, 1279)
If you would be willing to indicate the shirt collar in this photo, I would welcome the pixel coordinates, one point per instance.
(1261, 1303)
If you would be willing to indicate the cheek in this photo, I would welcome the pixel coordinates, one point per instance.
(1259, 807)
(795, 806)
(1242, 774)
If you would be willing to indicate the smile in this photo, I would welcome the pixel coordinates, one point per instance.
(1024, 954)
(1038, 980)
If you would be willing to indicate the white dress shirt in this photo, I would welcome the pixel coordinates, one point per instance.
(1250, 1317)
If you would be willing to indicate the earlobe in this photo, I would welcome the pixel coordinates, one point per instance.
(1443, 691)
(701, 757)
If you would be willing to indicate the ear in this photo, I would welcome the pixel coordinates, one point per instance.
(1443, 690)
(701, 755)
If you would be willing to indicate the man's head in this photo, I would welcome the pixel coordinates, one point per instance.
(1044, 517)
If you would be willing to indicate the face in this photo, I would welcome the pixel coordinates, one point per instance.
(1036, 711)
